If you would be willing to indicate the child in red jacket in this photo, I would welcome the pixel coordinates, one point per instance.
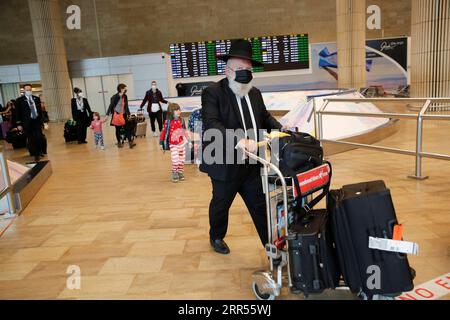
(174, 137)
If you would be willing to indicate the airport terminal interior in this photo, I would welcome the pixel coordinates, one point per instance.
(370, 80)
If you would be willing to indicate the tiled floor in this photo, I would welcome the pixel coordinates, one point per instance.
(136, 235)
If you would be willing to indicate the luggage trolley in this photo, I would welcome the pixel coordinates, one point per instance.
(280, 195)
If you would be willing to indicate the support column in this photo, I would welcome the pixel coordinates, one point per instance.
(351, 43)
(48, 33)
(430, 48)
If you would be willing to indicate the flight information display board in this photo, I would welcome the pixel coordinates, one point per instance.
(199, 59)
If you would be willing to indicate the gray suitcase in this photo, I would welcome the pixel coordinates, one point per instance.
(141, 129)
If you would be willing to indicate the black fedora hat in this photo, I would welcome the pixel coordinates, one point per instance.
(240, 49)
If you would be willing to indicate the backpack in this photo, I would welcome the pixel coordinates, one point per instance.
(165, 142)
(297, 153)
(195, 121)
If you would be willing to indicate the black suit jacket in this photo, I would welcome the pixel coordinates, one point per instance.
(23, 113)
(220, 111)
(114, 99)
(84, 117)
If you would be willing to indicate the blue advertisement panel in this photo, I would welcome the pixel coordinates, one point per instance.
(386, 64)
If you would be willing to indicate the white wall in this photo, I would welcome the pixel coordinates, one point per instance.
(20, 73)
(144, 67)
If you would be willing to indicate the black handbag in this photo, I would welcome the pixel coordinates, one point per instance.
(296, 153)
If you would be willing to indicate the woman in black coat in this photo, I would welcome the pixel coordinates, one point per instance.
(119, 107)
(82, 114)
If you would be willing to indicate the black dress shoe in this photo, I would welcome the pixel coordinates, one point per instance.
(220, 246)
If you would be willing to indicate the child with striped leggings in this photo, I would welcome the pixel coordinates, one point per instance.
(174, 137)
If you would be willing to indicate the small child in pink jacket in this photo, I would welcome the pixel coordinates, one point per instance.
(96, 126)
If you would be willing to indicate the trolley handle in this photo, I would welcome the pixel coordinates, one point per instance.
(270, 165)
(267, 164)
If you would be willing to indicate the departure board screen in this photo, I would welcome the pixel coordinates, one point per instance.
(199, 59)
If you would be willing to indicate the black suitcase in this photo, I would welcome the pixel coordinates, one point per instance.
(17, 139)
(312, 257)
(70, 131)
(357, 212)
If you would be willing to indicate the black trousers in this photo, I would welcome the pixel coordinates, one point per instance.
(81, 131)
(122, 130)
(249, 186)
(36, 141)
(158, 117)
(83, 122)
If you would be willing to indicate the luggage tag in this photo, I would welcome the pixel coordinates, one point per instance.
(398, 232)
(394, 245)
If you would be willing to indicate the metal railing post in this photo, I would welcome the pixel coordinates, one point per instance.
(315, 118)
(319, 121)
(419, 140)
(8, 185)
(420, 117)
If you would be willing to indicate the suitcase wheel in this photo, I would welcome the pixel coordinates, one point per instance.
(261, 296)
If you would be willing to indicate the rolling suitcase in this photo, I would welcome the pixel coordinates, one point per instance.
(70, 131)
(141, 129)
(360, 211)
(140, 116)
(312, 257)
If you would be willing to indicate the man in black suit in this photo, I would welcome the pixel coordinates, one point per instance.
(29, 119)
(233, 103)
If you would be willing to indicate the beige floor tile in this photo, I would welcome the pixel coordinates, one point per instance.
(179, 263)
(235, 260)
(205, 281)
(99, 251)
(156, 223)
(16, 271)
(32, 289)
(51, 220)
(50, 269)
(195, 246)
(38, 254)
(132, 265)
(150, 235)
(99, 286)
(151, 283)
(109, 237)
(70, 239)
(157, 248)
(197, 233)
(175, 213)
(109, 226)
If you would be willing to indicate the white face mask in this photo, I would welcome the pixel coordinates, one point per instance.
(28, 93)
(154, 87)
(80, 94)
